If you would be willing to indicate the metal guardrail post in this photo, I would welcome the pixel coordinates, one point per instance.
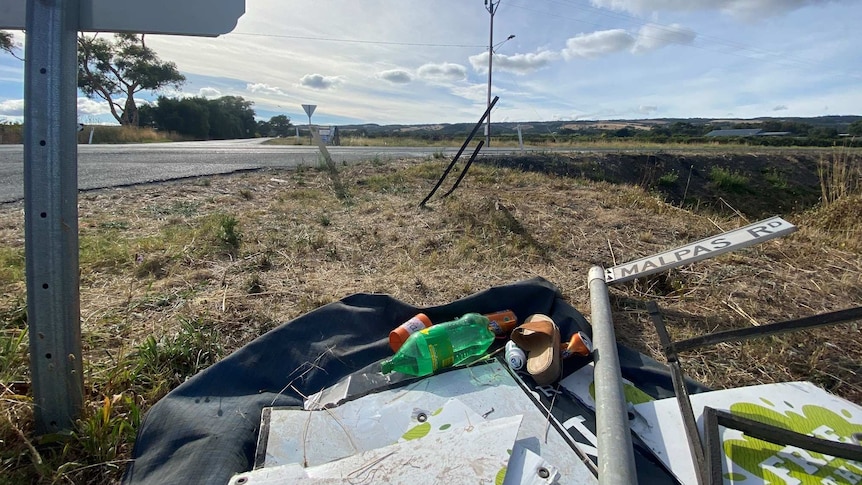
(616, 455)
(51, 213)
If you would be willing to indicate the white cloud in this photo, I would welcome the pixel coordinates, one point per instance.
(91, 107)
(319, 81)
(647, 109)
(518, 63)
(780, 107)
(745, 9)
(477, 93)
(395, 76)
(12, 107)
(445, 72)
(596, 44)
(262, 88)
(209, 93)
(653, 36)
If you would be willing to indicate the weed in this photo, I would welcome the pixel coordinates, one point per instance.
(229, 234)
(668, 178)
(246, 194)
(11, 264)
(162, 364)
(104, 251)
(103, 435)
(13, 355)
(114, 225)
(840, 176)
(324, 220)
(177, 208)
(775, 178)
(731, 181)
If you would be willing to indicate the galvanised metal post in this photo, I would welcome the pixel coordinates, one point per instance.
(616, 456)
(51, 212)
(492, 9)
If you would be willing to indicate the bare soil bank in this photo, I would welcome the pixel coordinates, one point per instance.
(755, 184)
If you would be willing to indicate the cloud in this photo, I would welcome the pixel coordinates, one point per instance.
(780, 107)
(209, 93)
(653, 36)
(261, 88)
(477, 93)
(518, 63)
(599, 43)
(445, 72)
(91, 107)
(744, 9)
(396, 76)
(12, 107)
(319, 81)
(647, 109)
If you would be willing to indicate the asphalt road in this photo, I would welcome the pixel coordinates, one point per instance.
(101, 166)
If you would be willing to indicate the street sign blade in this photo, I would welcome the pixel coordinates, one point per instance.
(207, 18)
(309, 109)
(13, 14)
(706, 248)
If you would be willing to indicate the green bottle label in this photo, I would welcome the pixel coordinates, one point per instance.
(439, 347)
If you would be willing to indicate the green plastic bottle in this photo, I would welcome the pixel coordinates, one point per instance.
(442, 345)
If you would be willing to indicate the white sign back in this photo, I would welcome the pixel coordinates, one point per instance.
(309, 109)
(208, 18)
(706, 248)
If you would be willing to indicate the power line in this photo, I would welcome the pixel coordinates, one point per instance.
(359, 41)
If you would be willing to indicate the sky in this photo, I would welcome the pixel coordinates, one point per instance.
(426, 61)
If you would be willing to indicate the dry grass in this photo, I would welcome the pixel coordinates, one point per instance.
(157, 257)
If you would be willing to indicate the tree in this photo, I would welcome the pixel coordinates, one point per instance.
(231, 117)
(8, 44)
(187, 116)
(855, 128)
(120, 68)
(223, 118)
(280, 125)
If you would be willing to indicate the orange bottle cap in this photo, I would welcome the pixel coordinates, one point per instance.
(399, 335)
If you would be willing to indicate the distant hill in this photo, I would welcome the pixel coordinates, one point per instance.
(838, 123)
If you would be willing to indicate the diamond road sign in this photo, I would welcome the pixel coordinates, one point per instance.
(207, 18)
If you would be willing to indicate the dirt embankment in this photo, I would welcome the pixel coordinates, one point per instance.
(755, 184)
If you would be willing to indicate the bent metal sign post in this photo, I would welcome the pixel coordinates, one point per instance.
(706, 248)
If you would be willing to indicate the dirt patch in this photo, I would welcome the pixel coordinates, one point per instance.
(755, 184)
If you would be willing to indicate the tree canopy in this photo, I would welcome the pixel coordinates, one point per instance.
(278, 125)
(8, 44)
(116, 69)
(227, 117)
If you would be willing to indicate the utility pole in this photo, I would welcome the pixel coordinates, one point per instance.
(491, 7)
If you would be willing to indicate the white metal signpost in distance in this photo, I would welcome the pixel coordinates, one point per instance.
(51, 170)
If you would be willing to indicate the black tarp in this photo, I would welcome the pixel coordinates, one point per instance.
(205, 430)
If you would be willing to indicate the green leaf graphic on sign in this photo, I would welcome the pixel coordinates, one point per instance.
(445, 427)
(785, 464)
(418, 431)
(501, 475)
(632, 393)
